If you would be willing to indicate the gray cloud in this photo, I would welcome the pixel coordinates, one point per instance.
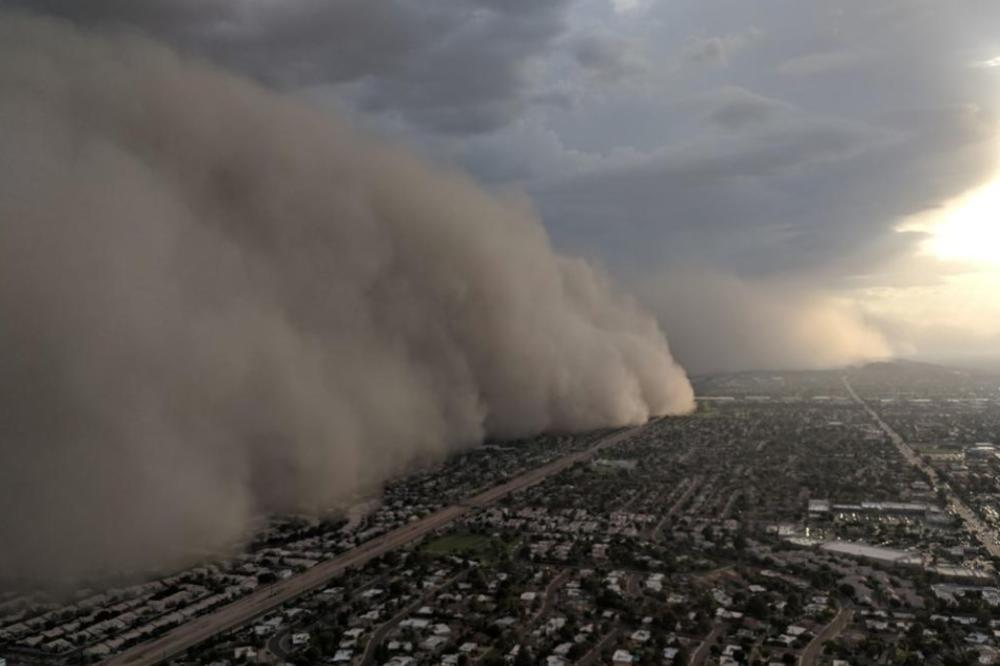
(734, 108)
(719, 49)
(705, 198)
(811, 64)
(458, 66)
(215, 300)
(800, 195)
(607, 58)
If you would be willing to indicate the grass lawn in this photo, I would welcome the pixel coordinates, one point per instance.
(458, 543)
(937, 450)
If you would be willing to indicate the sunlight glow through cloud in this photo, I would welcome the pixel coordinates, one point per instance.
(988, 64)
(970, 230)
(964, 233)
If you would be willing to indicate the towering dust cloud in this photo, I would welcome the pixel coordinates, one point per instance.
(215, 300)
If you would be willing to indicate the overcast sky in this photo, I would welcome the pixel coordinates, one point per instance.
(778, 179)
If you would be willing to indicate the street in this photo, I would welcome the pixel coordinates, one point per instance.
(987, 537)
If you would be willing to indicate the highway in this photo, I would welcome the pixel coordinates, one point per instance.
(987, 536)
(261, 601)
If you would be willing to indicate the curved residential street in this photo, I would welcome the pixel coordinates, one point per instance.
(841, 620)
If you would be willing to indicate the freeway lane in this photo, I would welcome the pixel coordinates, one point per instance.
(265, 599)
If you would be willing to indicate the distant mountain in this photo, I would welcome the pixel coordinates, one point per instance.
(893, 370)
(910, 369)
(987, 364)
(904, 366)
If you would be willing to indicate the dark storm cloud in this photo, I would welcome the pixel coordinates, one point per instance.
(783, 222)
(216, 300)
(832, 136)
(457, 66)
(884, 117)
(686, 198)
